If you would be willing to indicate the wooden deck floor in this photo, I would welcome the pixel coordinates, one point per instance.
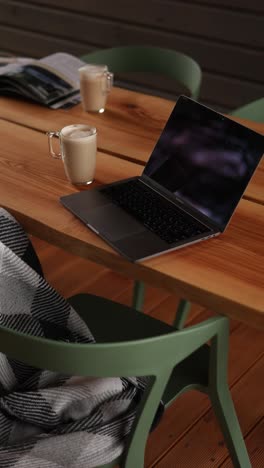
(188, 435)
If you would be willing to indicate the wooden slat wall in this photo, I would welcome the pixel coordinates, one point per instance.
(224, 36)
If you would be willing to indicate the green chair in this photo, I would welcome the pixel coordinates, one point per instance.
(131, 59)
(252, 111)
(130, 343)
(184, 69)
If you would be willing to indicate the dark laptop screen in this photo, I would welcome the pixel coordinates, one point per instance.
(205, 159)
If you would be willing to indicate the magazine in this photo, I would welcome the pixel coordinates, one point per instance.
(52, 81)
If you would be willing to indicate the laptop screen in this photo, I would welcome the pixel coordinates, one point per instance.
(205, 159)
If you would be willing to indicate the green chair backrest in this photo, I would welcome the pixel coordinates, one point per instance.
(109, 359)
(168, 62)
(252, 111)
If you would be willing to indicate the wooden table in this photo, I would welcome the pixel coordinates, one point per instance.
(224, 274)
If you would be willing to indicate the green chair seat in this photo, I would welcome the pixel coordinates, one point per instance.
(122, 323)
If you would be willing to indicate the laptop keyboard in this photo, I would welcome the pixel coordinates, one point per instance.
(163, 218)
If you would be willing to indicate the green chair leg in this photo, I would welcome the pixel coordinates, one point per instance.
(222, 402)
(181, 314)
(138, 295)
(226, 415)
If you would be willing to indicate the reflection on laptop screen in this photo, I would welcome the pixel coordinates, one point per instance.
(205, 159)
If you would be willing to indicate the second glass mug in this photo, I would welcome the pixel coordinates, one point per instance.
(95, 85)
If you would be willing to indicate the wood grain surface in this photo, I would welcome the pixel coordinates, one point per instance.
(225, 273)
(128, 129)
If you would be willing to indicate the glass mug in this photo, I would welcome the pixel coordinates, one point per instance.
(78, 146)
(95, 85)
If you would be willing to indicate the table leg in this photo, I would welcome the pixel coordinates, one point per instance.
(181, 314)
(138, 295)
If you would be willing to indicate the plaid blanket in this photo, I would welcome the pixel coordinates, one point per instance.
(49, 420)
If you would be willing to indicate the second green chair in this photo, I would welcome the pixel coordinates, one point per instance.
(130, 59)
(253, 111)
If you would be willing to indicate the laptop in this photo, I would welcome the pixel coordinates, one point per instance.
(188, 191)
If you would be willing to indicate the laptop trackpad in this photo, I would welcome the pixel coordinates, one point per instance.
(113, 222)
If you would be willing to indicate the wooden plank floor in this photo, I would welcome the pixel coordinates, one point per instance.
(188, 435)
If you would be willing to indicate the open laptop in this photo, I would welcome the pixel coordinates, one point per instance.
(188, 191)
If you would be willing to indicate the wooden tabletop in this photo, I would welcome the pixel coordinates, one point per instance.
(128, 129)
(224, 273)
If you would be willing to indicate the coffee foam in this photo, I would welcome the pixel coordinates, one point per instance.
(78, 132)
(94, 76)
(92, 69)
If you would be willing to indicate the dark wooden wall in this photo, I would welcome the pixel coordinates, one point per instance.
(225, 36)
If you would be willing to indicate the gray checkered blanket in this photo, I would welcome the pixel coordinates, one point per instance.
(49, 420)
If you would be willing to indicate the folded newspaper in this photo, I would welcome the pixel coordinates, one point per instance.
(52, 81)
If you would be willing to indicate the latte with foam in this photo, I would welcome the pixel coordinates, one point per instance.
(95, 85)
(78, 145)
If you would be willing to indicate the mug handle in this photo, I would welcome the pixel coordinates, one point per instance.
(109, 78)
(52, 152)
